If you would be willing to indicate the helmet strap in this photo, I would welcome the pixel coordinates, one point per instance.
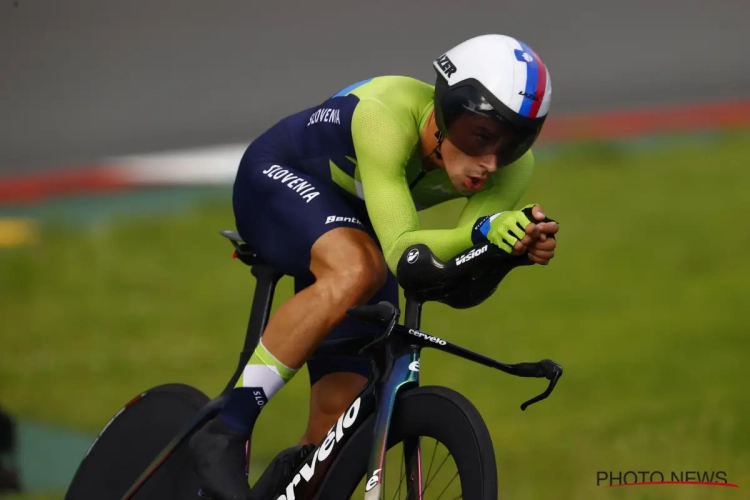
(436, 151)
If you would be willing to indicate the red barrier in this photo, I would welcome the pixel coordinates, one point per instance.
(36, 187)
(641, 122)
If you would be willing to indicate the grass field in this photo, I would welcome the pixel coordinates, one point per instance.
(645, 305)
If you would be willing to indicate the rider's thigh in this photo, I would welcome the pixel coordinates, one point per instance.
(348, 262)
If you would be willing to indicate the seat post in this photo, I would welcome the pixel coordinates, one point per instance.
(266, 280)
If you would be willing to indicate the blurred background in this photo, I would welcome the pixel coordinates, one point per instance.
(121, 125)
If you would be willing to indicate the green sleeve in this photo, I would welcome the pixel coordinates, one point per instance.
(509, 185)
(383, 146)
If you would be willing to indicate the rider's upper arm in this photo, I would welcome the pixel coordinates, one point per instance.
(383, 146)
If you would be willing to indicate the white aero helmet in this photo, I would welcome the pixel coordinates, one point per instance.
(499, 77)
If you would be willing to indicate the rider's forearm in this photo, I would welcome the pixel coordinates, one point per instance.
(444, 243)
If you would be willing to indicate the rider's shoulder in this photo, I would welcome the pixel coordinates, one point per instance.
(392, 100)
(395, 91)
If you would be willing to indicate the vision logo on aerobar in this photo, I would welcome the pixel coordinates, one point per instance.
(468, 256)
(303, 188)
(335, 435)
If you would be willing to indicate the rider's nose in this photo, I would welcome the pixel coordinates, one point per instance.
(488, 163)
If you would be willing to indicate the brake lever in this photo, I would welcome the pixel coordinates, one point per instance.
(551, 371)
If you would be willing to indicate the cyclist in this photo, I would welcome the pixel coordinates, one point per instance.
(330, 196)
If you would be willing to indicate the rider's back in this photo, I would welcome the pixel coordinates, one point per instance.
(320, 140)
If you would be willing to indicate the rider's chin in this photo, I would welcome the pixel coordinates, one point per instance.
(459, 186)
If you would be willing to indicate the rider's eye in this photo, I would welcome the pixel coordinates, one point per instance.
(483, 139)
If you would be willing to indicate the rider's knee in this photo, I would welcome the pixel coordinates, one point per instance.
(354, 268)
(365, 275)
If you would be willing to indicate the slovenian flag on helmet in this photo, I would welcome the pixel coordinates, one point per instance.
(536, 81)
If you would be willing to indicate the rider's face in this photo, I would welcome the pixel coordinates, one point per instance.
(480, 135)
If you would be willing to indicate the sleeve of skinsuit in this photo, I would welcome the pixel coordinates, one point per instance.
(383, 146)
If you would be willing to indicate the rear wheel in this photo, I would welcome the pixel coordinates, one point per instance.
(132, 439)
(448, 427)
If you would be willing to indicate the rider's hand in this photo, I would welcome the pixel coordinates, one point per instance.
(543, 249)
(512, 231)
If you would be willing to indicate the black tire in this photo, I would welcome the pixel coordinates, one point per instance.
(132, 439)
(430, 411)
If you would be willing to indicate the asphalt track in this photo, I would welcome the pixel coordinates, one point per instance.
(84, 79)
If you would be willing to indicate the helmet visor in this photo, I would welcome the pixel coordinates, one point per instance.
(477, 129)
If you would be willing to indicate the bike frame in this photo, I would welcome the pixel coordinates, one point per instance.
(395, 369)
(395, 354)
